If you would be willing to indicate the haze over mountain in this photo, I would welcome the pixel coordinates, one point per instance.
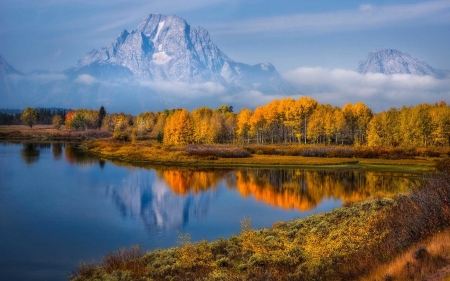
(163, 63)
(389, 61)
(166, 63)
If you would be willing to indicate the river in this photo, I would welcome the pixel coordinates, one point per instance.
(59, 206)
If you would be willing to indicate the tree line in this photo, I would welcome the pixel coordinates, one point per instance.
(303, 121)
(44, 116)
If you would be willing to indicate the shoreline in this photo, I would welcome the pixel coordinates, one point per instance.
(140, 154)
(150, 153)
(347, 243)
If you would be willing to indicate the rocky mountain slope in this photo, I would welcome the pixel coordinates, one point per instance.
(167, 48)
(389, 61)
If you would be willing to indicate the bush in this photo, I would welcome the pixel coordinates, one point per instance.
(443, 165)
(214, 151)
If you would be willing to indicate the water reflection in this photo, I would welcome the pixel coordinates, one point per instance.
(167, 197)
(184, 181)
(305, 189)
(76, 157)
(160, 208)
(30, 153)
(168, 200)
(57, 149)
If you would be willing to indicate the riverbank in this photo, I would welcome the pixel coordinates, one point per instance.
(48, 133)
(151, 153)
(344, 244)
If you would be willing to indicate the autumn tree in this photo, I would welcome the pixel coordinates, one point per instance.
(57, 121)
(29, 117)
(289, 119)
(243, 124)
(362, 115)
(258, 124)
(305, 107)
(203, 129)
(178, 128)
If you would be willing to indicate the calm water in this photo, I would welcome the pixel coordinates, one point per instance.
(58, 207)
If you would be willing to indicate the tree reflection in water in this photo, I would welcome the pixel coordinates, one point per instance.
(294, 188)
(75, 156)
(31, 151)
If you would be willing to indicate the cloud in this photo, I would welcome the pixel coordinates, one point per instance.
(86, 79)
(57, 53)
(37, 77)
(378, 91)
(365, 16)
(184, 90)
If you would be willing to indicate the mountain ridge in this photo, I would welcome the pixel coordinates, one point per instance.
(167, 48)
(391, 61)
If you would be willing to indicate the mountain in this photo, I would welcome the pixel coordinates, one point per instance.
(167, 48)
(6, 85)
(7, 69)
(389, 61)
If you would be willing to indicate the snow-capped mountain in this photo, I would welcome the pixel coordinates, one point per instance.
(167, 48)
(6, 68)
(6, 85)
(389, 61)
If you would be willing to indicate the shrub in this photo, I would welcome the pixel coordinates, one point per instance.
(443, 165)
(214, 151)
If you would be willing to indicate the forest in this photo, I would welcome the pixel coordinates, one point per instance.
(44, 116)
(281, 121)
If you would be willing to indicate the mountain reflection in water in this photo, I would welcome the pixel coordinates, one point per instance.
(59, 206)
(168, 200)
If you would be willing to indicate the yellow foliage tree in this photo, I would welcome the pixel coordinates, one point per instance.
(178, 128)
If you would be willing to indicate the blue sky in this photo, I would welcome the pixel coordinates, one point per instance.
(55, 34)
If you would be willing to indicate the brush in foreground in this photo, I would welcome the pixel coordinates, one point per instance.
(340, 245)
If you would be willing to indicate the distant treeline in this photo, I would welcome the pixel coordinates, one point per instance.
(304, 121)
(45, 116)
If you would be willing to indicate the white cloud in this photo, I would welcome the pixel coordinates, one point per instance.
(86, 79)
(184, 90)
(38, 77)
(365, 16)
(365, 7)
(378, 91)
(57, 53)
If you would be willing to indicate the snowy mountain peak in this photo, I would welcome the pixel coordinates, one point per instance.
(167, 48)
(6, 68)
(391, 61)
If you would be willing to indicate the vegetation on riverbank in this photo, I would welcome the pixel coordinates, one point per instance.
(148, 152)
(48, 133)
(343, 244)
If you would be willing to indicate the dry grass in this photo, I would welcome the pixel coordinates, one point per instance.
(47, 132)
(151, 152)
(419, 262)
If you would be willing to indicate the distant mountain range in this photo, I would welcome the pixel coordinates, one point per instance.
(388, 61)
(165, 63)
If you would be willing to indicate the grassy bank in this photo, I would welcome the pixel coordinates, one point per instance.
(344, 244)
(48, 133)
(147, 152)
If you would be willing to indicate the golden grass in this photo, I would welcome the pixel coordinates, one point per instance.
(409, 266)
(47, 132)
(150, 152)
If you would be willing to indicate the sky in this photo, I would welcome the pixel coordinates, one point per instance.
(300, 38)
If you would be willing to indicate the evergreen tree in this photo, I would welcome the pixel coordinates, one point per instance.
(101, 116)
